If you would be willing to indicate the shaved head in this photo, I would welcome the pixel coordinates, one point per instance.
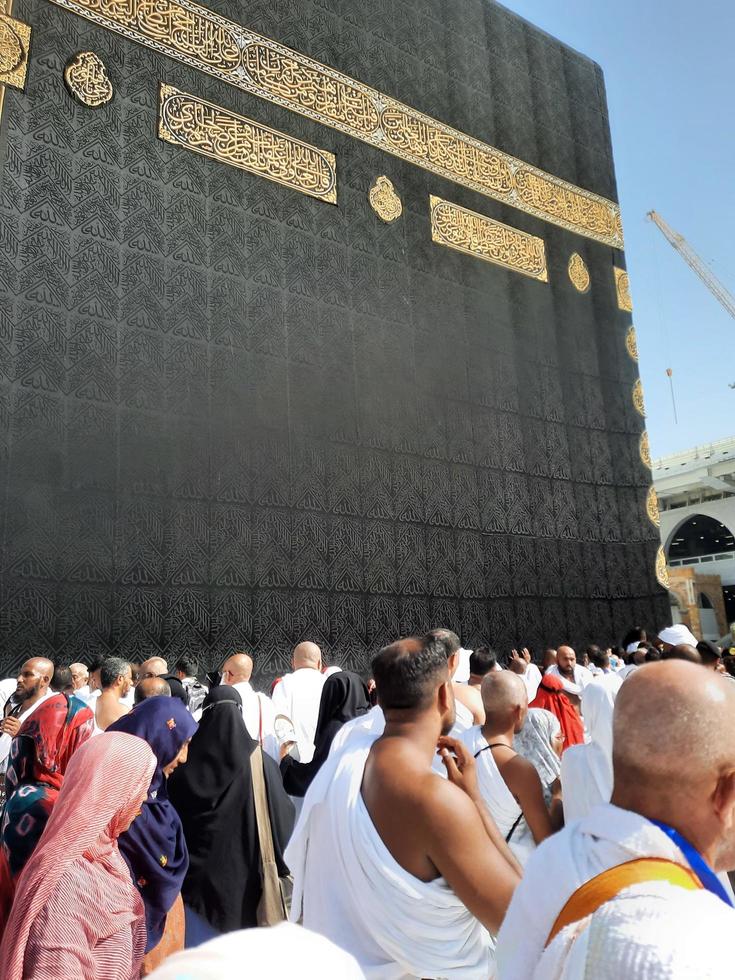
(34, 679)
(237, 669)
(153, 667)
(682, 651)
(151, 687)
(505, 700)
(307, 655)
(674, 753)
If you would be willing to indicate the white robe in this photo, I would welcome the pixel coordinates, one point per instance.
(297, 696)
(258, 709)
(586, 770)
(531, 677)
(503, 806)
(582, 677)
(352, 890)
(607, 837)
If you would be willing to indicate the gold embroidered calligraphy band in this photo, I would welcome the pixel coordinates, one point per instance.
(200, 38)
(475, 234)
(15, 39)
(189, 121)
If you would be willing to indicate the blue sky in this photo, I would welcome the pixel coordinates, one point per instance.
(669, 73)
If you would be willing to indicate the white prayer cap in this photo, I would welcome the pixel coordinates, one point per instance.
(280, 953)
(632, 647)
(676, 634)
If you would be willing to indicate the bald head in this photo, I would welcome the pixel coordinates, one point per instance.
(34, 679)
(307, 655)
(153, 667)
(237, 669)
(682, 651)
(151, 687)
(674, 752)
(505, 701)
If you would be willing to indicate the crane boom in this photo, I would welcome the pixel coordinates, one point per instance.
(691, 258)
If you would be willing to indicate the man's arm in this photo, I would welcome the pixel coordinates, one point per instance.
(524, 782)
(463, 842)
(458, 845)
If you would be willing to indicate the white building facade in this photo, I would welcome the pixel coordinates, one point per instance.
(696, 494)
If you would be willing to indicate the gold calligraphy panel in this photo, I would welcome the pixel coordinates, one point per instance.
(198, 37)
(662, 571)
(476, 234)
(622, 288)
(15, 40)
(189, 121)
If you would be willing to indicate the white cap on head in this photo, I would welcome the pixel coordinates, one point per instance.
(280, 953)
(676, 634)
(632, 647)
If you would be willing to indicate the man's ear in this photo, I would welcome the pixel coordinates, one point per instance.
(444, 696)
(724, 798)
(453, 664)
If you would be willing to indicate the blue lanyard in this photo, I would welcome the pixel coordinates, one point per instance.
(696, 862)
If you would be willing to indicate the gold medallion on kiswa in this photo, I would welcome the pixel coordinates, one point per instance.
(198, 37)
(644, 449)
(662, 571)
(189, 121)
(487, 239)
(631, 343)
(578, 273)
(622, 290)
(652, 508)
(638, 398)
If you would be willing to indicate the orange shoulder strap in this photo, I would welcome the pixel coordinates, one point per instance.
(589, 897)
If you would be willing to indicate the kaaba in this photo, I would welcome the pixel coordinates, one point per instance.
(314, 324)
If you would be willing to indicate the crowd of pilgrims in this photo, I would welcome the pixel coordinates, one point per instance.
(399, 821)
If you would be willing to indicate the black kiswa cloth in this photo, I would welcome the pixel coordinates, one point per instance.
(213, 794)
(344, 697)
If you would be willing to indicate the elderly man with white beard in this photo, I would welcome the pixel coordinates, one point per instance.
(631, 890)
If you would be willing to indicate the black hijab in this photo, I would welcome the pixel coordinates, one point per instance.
(213, 794)
(344, 697)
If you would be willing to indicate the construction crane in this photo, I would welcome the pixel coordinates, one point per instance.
(691, 258)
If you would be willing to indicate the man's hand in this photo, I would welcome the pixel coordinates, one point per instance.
(286, 748)
(10, 726)
(460, 765)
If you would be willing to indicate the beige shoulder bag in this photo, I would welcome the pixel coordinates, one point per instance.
(272, 907)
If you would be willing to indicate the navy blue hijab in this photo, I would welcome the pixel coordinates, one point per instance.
(154, 847)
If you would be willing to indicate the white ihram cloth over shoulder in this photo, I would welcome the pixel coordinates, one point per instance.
(582, 677)
(594, 948)
(258, 709)
(501, 803)
(352, 890)
(297, 696)
(586, 770)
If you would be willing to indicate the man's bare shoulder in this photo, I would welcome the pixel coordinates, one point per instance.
(399, 772)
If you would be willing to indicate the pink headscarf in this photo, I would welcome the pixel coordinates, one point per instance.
(105, 783)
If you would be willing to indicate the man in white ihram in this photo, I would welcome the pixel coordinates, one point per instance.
(297, 696)
(574, 676)
(257, 709)
(402, 869)
(674, 802)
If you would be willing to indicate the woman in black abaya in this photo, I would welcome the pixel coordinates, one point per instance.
(344, 697)
(213, 795)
